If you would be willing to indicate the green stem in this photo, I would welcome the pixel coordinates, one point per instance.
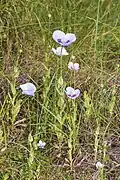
(61, 62)
(96, 33)
(74, 125)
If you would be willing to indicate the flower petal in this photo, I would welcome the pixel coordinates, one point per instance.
(70, 65)
(58, 36)
(69, 38)
(76, 94)
(54, 50)
(60, 51)
(69, 91)
(99, 165)
(41, 144)
(76, 66)
(62, 38)
(28, 86)
(64, 52)
(28, 89)
(28, 92)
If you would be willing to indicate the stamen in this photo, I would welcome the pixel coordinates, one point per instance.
(59, 40)
(67, 41)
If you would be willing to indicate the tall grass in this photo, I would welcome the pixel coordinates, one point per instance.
(79, 133)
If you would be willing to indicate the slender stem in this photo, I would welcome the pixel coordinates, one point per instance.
(74, 78)
(74, 118)
(74, 125)
(96, 33)
(5, 135)
(61, 62)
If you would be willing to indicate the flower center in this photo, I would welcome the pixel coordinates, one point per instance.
(59, 40)
(73, 95)
(67, 41)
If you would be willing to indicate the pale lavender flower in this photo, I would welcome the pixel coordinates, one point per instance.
(99, 165)
(28, 89)
(72, 93)
(73, 66)
(63, 39)
(41, 144)
(60, 51)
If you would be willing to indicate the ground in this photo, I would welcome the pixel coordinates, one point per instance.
(78, 133)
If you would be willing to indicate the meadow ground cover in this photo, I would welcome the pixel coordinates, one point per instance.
(60, 89)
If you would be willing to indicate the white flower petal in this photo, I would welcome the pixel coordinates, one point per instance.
(69, 90)
(76, 66)
(99, 165)
(54, 50)
(28, 89)
(58, 35)
(71, 37)
(60, 51)
(63, 39)
(70, 65)
(41, 144)
(72, 93)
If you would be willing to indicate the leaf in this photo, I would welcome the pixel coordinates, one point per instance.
(15, 110)
(30, 138)
(60, 81)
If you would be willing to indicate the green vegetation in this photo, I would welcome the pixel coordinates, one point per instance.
(78, 133)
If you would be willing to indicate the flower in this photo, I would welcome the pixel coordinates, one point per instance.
(41, 144)
(99, 165)
(60, 51)
(73, 66)
(28, 89)
(63, 39)
(72, 93)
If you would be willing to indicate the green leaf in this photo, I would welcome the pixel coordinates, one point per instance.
(60, 81)
(16, 109)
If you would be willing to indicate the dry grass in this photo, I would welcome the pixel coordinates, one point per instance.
(26, 42)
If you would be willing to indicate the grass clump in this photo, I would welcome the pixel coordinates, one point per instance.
(78, 133)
